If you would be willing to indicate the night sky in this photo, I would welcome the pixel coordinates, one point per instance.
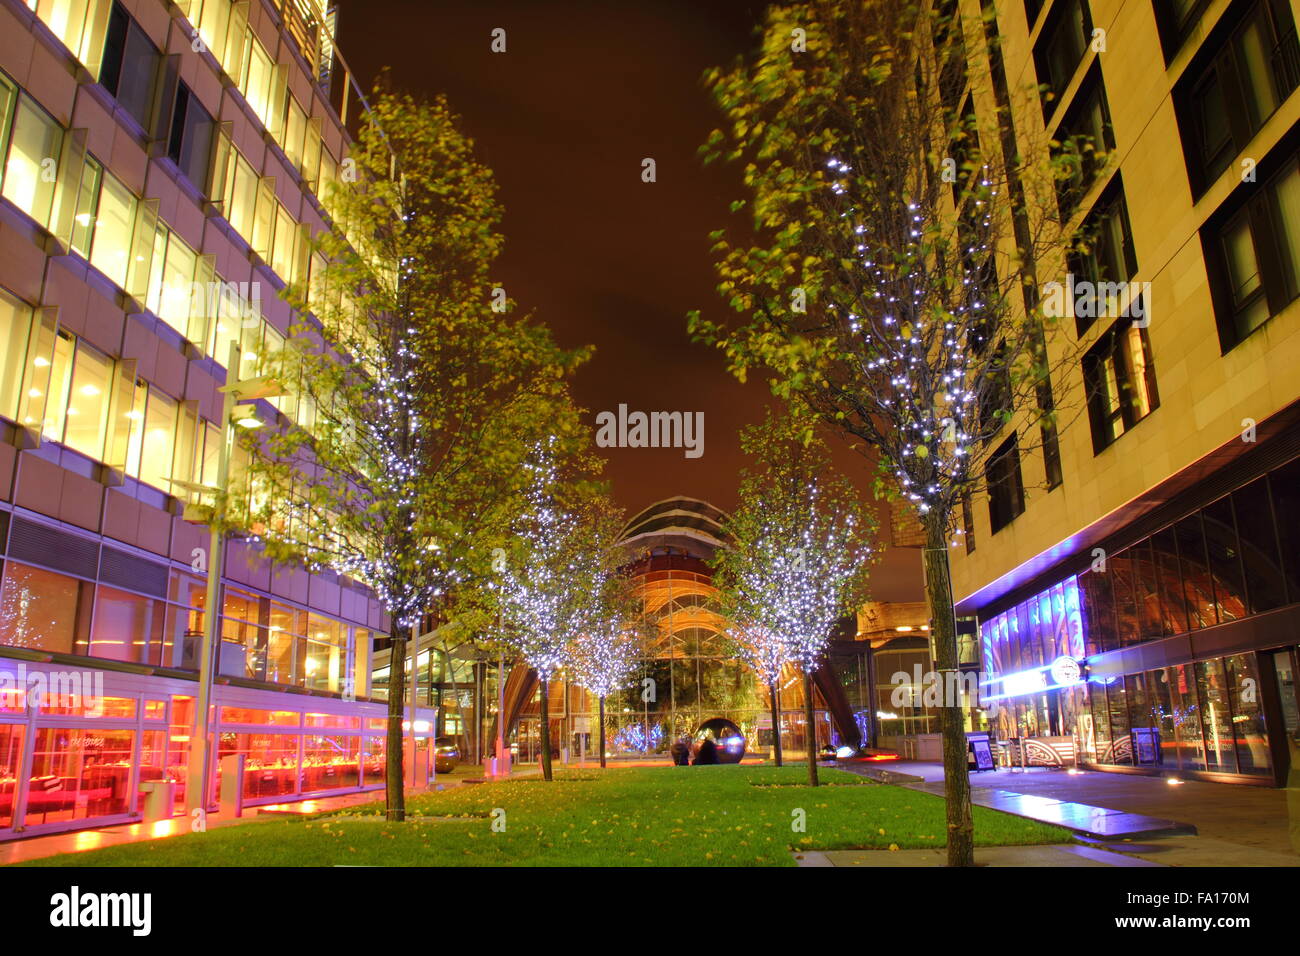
(584, 92)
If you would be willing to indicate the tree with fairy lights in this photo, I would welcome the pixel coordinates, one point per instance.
(768, 653)
(798, 554)
(411, 401)
(605, 656)
(557, 558)
(900, 219)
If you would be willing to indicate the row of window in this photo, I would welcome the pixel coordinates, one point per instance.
(223, 28)
(45, 610)
(120, 55)
(1201, 716)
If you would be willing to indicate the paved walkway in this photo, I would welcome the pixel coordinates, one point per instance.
(1234, 825)
(1056, 855)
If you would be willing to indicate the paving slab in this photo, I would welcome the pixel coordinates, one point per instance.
(1053, 855)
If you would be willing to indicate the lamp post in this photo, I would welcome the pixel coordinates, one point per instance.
(232, 413)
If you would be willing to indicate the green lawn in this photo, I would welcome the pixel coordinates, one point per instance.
(642, 816)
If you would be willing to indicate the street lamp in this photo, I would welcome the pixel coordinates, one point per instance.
(232, 414)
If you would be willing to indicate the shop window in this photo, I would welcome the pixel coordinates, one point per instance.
(1006, 490)
(190, 142)
(1120, 380)
(1221, 104)
(1243, 684)
(80, 773)
(32, 163)
(1216, 717)
(114, 225)
(43, 611)
(1254, 256)
(1060, 49)
(1186, 717)
(330, 762)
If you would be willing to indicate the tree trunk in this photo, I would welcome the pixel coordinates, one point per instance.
(811, 729)
(776, 722)
(602, 733)
(394, 777)
(546, 729)
(943, 628)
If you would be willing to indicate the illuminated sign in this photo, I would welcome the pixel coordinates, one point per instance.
(1065, 671)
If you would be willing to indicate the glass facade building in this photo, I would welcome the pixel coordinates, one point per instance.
(164, 168)
(1185, 640)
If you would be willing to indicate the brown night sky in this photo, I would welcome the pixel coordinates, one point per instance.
(584, 93)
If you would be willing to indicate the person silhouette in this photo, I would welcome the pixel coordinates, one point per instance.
(708, 752)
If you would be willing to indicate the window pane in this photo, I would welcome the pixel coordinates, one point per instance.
(135, 440)
(33, 161)
(1216, 718)
(1225, 560)
(87, 415)
(1254, 53)
(111, 251)
(1257, 534)
(1186, 721)
(1248, 716)
(125, 625)
(1285, 485)
(159, 440)
(15, 329)
(60, 380)
(177, 282)
(83, 224)
(38, 609)
(242, 200)
(1286, 195)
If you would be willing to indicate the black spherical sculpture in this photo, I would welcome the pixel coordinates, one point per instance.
(726, 736)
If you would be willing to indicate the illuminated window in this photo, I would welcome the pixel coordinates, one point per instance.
(15, 331)
(114, 223)
(126, 625)
(31, 168)
(86, 424)
(60, 379)
(38, 609)
(80, 24)
(295, 132)
(83, 223)
(257, 80)
(1121, 382)
(158, 441)
(241, 195)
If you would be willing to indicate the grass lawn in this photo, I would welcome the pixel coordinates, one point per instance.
(636, 816)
